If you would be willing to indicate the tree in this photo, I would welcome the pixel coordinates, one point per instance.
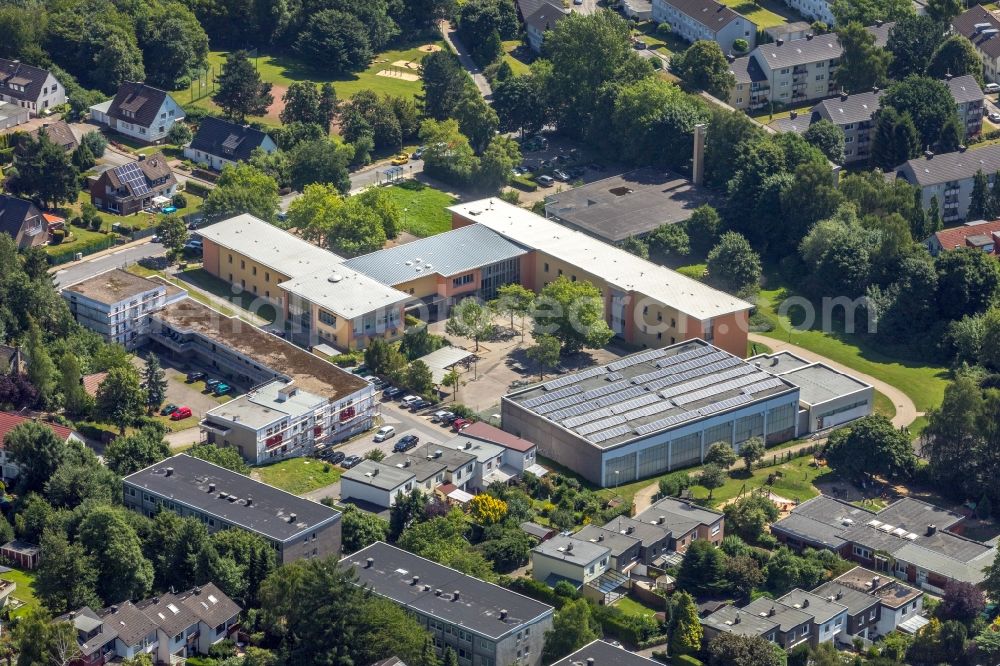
(572, 627)
(120, 398)
(37, 452)
(573, 313)
(242, 188)
(966, 283)
(514, 299)
(748, 517)
(334, 41)
(894, 140)
(444, 83)
(703, 228)
(863, 64)
(82, 158)
(154, 383)
(962, 601)
(173, 234)
(520, 104)
(926, 100)
(635, 245)
(130, 453)
(702, 570)
(743, 576)
(670, 240)
(117, 61)
(449, 154)
(871, 446)
(96, 143)
(322, 161)
(704, 66)
(223, 456)
(357, 229)
(751, 451)
(711, 477)
(306, 102)
(487, 510)
(75, 398)
(912, 41)
(44, 172)
(175, 46)
(470, 319)
(419, 378)
(384, 207)
(179, 134)
(735, 650)
(545, 352)
(477, 120)
(240, 91)
(123, 572)
(827, 137)
(980, 201)
(452, 380)
(361, 529)
(721, 454)
(733, 265)
(952, 135)
(497, 163)
(66, 575)
(867, 12)
(955, 56)
(41, 369)
(40, 641)
(506, 547)
(684, 627)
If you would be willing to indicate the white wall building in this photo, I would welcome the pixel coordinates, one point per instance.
(694, 20)
(376, 484)
(566, 558)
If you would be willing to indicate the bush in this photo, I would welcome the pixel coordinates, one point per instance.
(58, 236)
(684, 660)
(535, 589)
(222, 650)
(464, 412)
(523, 184)
(196, 188)
(741, 45)
(664, 28)
(95, 224)
(179, 201)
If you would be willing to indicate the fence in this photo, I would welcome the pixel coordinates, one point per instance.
(69, 253)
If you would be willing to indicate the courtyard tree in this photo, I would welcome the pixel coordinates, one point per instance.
(711, 477)
(470, 319)
(515, 300)
(306, 102)
(37, 451)
(419, 378)
(683, 625)
(173, 235)
(751, 451)
(154, 381)
(721, 454)
(242, 188)
(545, 352)
(734, 265)
(573, 627)
(871, 446)
(452, 380)
(130, 453)
(44, 172)
(573, 313)
(361, 529)
(704, 66)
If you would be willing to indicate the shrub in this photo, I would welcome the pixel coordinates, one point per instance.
(664, 28)
(197, 189)
(684, 660)
(58, 236)
(95, 224)
(523, 184)
(222, 650)
(741, 45)
(179, 201)
(77, 221)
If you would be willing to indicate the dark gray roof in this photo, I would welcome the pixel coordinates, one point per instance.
(378, 475)
(785, 615)
(14, 212)
(618, 543)
(733, 620)
(210, 604)
(845, 109)
(141, 101)
(855, 600)
(965, 89)
(822, 520)
(270, 511)
(433, 456)
(799, 51)
(86, 620)
(881, 32)
(679, 516)
(646, 532)
(546, 16)
(915, 515)
(888, 591)
(453, 252)
(799, 124)
(779, 31)
(59, 133)
(747, 70)
(129, 623)
(822, 609)
(21, 74)
(168, 613)
(965, 24)
(227, 140)
(604, 654)
(536, 530)
(477, 608)
(571, 549)
(711, 14)
(629, 204)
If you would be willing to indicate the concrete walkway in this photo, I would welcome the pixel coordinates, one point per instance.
(450, 35)
(906, 411)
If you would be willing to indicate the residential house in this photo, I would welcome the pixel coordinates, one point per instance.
(132, 187)
(376, 484)
(9, 421)
(982, 28)
(567, 558)
(685, 521)
(876, 604)
(694, 20)
(427, 468)
(797, 618)
(220, 142)
(602, 653)
(654, 540)
(169, 628)
(969, 102)
(12, 115)
(434, 465)
(222, 499)
(909, 539)
(489, 466)
(854, 115)
(519, 454)
(541, 21)
(486, 625)
(637, 10)
(948, 178)
(978, 234)
(23, 221)
(139, 111)
(117, 305)
(625, 549)
(29, 87)
(59, 133)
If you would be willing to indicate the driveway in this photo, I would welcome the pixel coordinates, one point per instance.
(450, 35)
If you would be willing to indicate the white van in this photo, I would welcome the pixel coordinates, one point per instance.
(384, 433)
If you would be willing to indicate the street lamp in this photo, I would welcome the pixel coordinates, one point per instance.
(617, 472)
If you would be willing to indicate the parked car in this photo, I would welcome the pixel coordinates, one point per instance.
(400, 159)
(391, 392)
(222, 388)
(168, 409)
(439, 417)
(361, 370)
(180, 414)
(452, 418)
(409, 400)
(335, 457)
(195, 377)
(210, 384)
(576, 172)
(405, 443)
(560, 175)
(419, 152)
(379, 384)
(350, 461)
(991, 88)
(458, 424)
(994, 117)
(545, 181)
(371, 379)
(417, 405)
(384, 433)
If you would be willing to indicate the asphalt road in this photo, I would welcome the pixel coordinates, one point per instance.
(451, 36)
(87, 269)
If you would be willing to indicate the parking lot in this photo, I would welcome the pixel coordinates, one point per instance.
(563, 155)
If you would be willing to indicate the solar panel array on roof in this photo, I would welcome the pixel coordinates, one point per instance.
(605, 390)
(605, 435)
(684, 356)
(572, 379)
(716, 389)
(691, 374)
(603, 424)
(615, 398)
(131, 175)
(542, 399)
(613, 376)
(708, 380)
(699, 362)
(561, 403)
(650, 355)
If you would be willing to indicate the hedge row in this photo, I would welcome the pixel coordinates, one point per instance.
(85, 248)
(523, 184)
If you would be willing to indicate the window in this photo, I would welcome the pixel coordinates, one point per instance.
(327, 318)
(546, 267)
(267, 276)
(253, 270)
(243, 264)
(463, 280)
(230, 258)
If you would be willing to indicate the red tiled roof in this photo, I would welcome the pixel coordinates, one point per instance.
(10, 421)
(92, 382)
(488, 433)
(950, 238)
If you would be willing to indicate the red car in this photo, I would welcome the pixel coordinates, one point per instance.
(181, 414)
(458, 424)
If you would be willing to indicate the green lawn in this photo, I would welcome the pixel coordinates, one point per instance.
(630, 606)
(515, 53)
(25, 592)
(665, 43)
(200, 386)
(281, 70)
(693, 271)
(884, 406)
(765, 13)
(140, 220)
(177, 426)
(424, 213)
(200, 278)
(923, 383)
(796, 483)
(754, 348)
(78, 238)
(299, 475)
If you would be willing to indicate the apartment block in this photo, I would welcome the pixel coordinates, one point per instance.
(486, 625)
(118, 305)
(947, 179)
(694, 20)
(600, 653)
(982, 28)
(295, 528)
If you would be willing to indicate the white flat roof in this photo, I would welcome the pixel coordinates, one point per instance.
(270, 246)
(343, 291)
(617, 267)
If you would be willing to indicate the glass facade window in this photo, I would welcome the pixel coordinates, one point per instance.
(749, 426)
(719, 433)
(654, 460)
(624, 465)
(781, 423)
(686, 451)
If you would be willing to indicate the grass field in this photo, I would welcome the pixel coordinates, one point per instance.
(177, 426)
(923, 383)
(884, 406)
(25, 592)
(630, 606)
(281, 70)
(515, 53)
(665, 43)
(299, 475)
(796, 482)
(765, 13)
(424, 213)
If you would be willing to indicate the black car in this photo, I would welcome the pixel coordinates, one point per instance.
(335, 457)
(417, 405)
(210, 384)
(405, 443)
(391, 392)
(451, 419)
(195, 376)
(350, 461)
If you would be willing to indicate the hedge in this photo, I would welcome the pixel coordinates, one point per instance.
(684, 660)
(85, 248)
(537, 590)
(196, 188)
(523, 184)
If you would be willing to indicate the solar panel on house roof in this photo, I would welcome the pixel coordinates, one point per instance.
(130, 174)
